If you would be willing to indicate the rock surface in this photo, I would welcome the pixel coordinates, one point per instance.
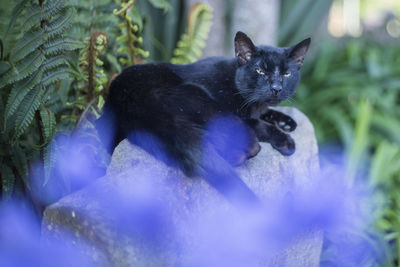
(144, 213)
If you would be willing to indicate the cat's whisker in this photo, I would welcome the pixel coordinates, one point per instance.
(292, 101)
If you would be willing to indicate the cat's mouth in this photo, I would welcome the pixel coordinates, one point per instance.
(273, 102)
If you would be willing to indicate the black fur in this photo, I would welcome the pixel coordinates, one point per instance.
(167, 110)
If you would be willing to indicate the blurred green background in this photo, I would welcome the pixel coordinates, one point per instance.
(350, 86)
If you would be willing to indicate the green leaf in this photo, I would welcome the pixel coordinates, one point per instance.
(33, 17)
(27, 44)
(60, 45)
(49, 161)
(21, 163)
(360, 138)
(136, 18)
(23, 68)
(193, 41)
(4, 66)
(60, 24)
(26, 111)
(15, 14)
(53, 62)
(48, 124)
(7, 181)
(162, 4)
(55, 75)
(19, 91)
(51, 8)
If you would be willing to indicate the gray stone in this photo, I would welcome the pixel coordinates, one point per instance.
(144, 213)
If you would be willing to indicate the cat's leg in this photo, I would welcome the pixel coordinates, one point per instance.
(269, 132)
(281, 120)
(232, 138)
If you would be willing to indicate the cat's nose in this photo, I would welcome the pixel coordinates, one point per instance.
(276, 88)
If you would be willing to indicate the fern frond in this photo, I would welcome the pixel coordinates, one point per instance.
(26, 111)
(4, 67)
(18, 8)
(53, 62)
(55, 75)
(59, 45)
(162, 4)
(37, 13)
(19, 91)
(193, 41)
(48, 124)
(7, 181)
(27, 44)
(51, 8)
(88, 5)
(61, 23)
(130, 39)
(33, 17)
(49, 161)
(21, 163)
(23, 68)
(96, 44)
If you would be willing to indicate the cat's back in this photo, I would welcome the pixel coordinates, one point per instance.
(151, 73)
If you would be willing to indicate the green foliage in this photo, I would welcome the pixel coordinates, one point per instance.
(351, 93)
(57, 59)
(193, 40)
(91, 79)
(34, 61)
(161, 30)
(130, 38)
(300, 19)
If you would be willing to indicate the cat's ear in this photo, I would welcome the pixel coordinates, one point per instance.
(298, 52)
(244, 48)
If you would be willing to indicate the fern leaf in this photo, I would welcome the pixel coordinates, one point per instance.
(19, 91)
(48, 124)
(193, 41)
(23, 68)
(53, 62)
(51, 8)
(26, 111)
(20, 162)
(37, 13)
(33, 16)
(7, 181)
(15, 14)
(4, 67)
(60, 24)
(27, 44)
(55, 75)
(162, 4)
(49, 161)
(59, 45)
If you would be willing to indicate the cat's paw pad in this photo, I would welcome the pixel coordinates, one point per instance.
(286, 147)
(287, 125)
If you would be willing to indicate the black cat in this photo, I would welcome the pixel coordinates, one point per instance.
(168, 109)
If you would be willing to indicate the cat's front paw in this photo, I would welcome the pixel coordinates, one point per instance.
(282, 121)
(285, 146)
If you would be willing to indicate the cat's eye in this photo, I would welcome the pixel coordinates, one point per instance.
(259, 71)
(287, 74)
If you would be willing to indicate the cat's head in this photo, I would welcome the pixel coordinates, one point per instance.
(267, 74)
